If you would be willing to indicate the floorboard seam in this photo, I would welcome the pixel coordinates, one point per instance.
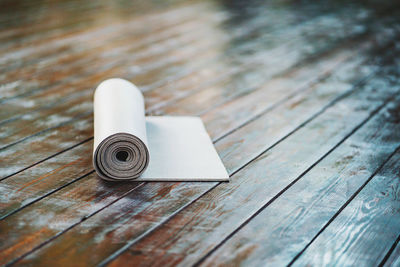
(392, 248)
(164, 104)
(43, 88)
(49, 157)
(120, 251)
(354, 88)
(344, 206)
(289, 185)
(301, 89)
(46, 130)
(71, 226)
(45, 195)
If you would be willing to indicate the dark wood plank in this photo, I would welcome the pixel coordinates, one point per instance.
(300, 80)
(196, 230)
(294, 218)
(130, 46)
(242, 97)
(45, 146)
(25, 177)
(103, 64)
(226, 117)
(363, 233)
(283, 54)
(67, 110)
(108, 60)
(299, 31)
(175, 196)
(18, 183)
(21, 41)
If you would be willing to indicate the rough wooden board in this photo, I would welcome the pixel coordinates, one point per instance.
(191, 234)
(31, 46)
(79, 185)
(296, 78)
(44, 55)
(70, 109)
(274, 36)
(327, 95)
(44, 183)
(297, 215)
(240, 34)
(45, 146)
(125, 214)
(83, 184)
(394, 256)
(363, 233)
(61, 93)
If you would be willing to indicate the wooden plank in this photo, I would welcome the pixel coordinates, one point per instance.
(45, 178)
(14, 25)
(363, 233)
(70, 68)
(18, 183)
(75, 111)
(44, 146)
(44, 98)
(24, 197)
(24, 43)
(244, 30)
(225, 118)
(281, 58)
(86, 17)
(195, 231)
(394, 256)
(20, 191)
(31, 53)
(152, 209)
(66, 171)
(16, 18)
(38, 122)
(64, 63)
(108, 61)
(59, 139)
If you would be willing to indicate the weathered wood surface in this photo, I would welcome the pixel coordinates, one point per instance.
(371, 221)
(71, 108)
(297, 213)
(282, 165)
(18, 182)
(393, 256)
(300, 100)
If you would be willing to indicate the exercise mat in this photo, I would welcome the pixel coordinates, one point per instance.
(130, 146)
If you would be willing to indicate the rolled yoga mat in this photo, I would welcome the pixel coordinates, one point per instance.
(130, 146)
(120, 141)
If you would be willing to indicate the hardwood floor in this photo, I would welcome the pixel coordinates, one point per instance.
(301, 99)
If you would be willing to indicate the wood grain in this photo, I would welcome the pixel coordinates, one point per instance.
(195, 231)
(296, 216)
(75, 107)
(165, 93)
(363, 233)
(153, 39)
(288, 92)
(120, 215)
(296, 77)
(393, 256)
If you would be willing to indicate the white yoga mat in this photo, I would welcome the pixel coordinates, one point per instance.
(130, 146)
